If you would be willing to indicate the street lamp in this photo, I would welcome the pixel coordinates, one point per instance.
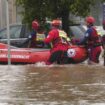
(8, 32)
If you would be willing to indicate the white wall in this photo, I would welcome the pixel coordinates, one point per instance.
(14, 17)
(97, 12)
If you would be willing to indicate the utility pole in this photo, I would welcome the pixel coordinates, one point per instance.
(8, 32)
(1, 14)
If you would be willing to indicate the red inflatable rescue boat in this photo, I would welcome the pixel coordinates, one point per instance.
(31, 56)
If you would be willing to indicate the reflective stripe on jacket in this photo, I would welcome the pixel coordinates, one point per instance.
(61, 38)
(58, 38)
(40, 37)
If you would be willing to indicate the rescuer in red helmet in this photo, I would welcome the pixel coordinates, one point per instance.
(92, 40)
(35, 27)
(36, 37)
(60, 43)
(31, 41)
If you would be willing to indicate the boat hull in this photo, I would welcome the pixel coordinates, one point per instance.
(31, 56)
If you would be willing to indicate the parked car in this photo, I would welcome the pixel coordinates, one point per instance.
(19, 34)
(77, 33)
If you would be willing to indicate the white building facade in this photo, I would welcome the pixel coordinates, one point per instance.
(12, 13)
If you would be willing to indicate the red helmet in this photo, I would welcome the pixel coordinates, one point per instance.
(90, 19)
(56, 22)
(35, 25)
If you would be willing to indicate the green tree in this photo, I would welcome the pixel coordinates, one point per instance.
(62, 9)
(40, 9)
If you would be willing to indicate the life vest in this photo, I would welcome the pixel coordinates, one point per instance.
(62, 38)
(37, 40)
(40, 36)
(94, 39)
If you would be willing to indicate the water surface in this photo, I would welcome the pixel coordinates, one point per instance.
(79, 84)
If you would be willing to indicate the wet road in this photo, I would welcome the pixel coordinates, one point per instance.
(79, 84)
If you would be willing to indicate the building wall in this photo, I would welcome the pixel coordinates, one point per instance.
(97, 12)
(2, 13)
(12, 12)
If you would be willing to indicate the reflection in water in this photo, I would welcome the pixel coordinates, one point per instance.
(57, 85)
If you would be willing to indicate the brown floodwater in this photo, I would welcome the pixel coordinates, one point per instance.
(37, 84)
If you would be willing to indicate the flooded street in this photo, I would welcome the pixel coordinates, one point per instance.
(79, 84)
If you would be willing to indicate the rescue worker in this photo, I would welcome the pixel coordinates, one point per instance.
(35, 27)
(37, 35)
(92, 40)
(60, 43)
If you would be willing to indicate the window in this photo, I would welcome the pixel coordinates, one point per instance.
(77, 31)
(14, 32)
